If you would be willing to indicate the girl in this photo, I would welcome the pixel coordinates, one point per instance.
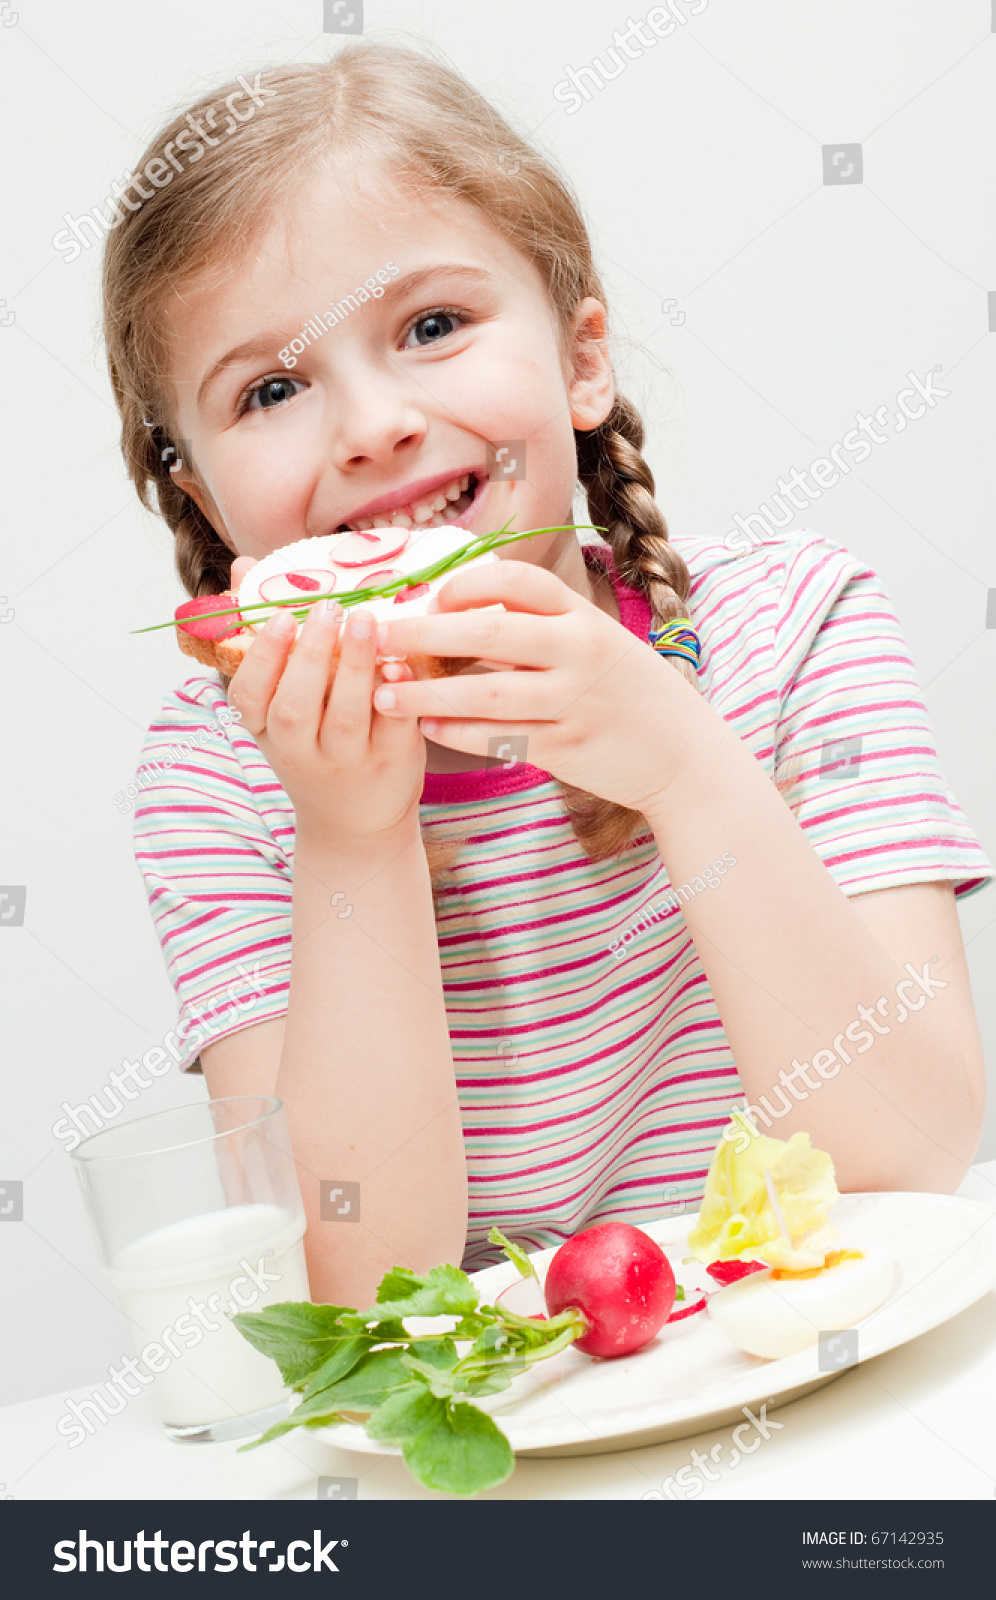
(674, 899)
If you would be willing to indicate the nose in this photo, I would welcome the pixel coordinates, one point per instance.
(380, 421)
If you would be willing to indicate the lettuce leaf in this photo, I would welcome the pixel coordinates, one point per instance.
(736, 1219)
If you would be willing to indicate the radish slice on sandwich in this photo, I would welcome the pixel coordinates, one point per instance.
(365, 546)
(297, 585)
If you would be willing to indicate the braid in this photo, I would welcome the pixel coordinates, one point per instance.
(620, 489)
(203, 560)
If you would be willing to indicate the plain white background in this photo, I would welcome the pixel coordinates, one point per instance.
(794, 304)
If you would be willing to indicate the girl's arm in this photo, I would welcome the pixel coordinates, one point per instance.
(804, 977)
(362, 1061)
(790, 959)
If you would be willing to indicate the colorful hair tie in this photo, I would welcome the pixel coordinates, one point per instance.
(679, 639)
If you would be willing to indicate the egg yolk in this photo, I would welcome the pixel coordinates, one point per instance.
(834, 1259)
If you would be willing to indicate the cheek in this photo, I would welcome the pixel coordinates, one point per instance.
(264, 492)
(511, 388)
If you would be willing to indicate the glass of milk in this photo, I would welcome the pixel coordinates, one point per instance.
(198, 1216)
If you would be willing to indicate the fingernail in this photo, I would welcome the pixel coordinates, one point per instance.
(361, 624)
(382, 628)
(385, 699)
(333, 608)
(280, 624)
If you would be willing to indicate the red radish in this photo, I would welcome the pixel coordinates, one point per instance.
(367, 545)
(212, 628)
(729, 1271)
(690, 1310)
(301, 580)
(620, 1281)
(414, 592)
(290, 585)
(386, 575)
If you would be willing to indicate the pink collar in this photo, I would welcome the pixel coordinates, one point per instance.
(487, 783)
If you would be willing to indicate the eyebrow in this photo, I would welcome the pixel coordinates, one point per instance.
(261, 346)
(253, 349)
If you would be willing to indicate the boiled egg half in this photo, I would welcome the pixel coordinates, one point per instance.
(777, 1312)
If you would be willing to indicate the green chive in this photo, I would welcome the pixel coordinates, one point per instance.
(355, 597)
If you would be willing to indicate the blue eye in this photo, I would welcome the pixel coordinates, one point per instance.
(271, 392)
(435, 325)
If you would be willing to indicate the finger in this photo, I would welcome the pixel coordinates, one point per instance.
(240, 566)
(498, 697)
(299, 701)
(514, 638)
(506, 745)
(256, 679)
(391, 735)
(350, 705)
(519, 585)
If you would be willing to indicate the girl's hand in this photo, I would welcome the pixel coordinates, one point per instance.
(599, 708)
(352, 775)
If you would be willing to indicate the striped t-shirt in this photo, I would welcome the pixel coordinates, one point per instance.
(593, 1072)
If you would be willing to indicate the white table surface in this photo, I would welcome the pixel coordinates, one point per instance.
(918, 1423)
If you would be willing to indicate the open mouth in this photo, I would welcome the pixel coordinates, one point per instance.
(436, 511)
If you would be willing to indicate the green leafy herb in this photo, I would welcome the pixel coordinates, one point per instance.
(482, 545)
(444, 1446)
(457, 1448)
(298, 1336)
(415, 1390)
(443, 1291)
(516, 1255)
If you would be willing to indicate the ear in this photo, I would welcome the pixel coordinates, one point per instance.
(592, 387)
(183, 475)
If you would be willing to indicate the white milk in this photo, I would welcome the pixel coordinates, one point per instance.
(218, 1374)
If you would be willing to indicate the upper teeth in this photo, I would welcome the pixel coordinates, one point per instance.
(421, 513)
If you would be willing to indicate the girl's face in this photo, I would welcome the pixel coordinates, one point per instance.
(459, 352)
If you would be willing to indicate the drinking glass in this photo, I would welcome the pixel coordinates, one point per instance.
(197, 1215)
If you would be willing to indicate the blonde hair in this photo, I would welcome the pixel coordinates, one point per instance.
(436, 132)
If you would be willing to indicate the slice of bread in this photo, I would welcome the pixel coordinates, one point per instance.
(226, 655)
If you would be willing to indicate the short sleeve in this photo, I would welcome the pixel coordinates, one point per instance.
(213, 836)
(854, 747)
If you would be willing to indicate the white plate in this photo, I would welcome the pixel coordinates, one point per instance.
(690, 1378)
